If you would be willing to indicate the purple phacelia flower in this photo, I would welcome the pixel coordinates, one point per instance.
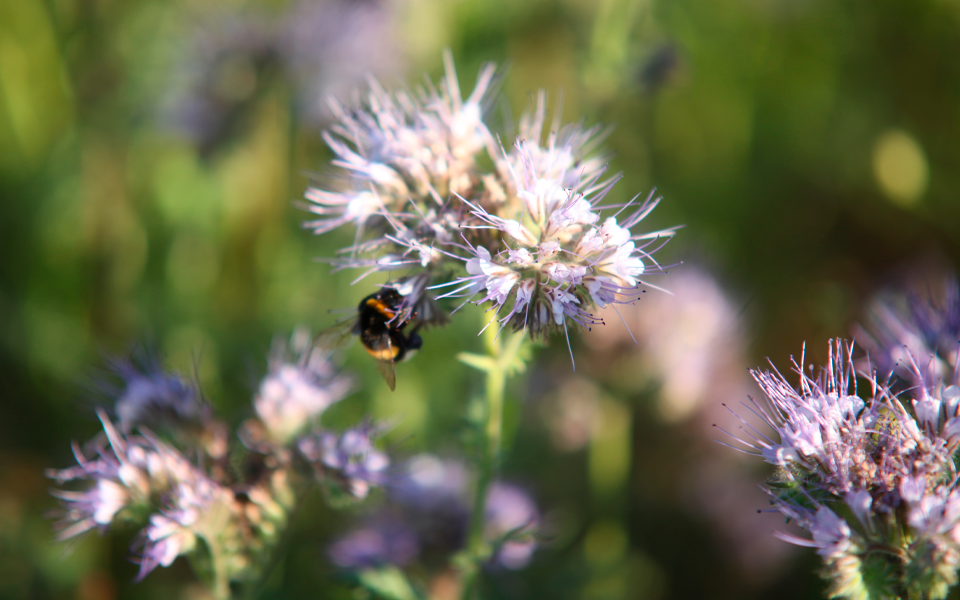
(865, 473)
(192, 512)
(531, 237)
(301, 384)
(149, 396)
(126, 474)
(349, 461)
(915, 336)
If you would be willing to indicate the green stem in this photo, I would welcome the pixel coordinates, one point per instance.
(502, 364)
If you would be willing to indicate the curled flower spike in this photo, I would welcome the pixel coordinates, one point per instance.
(235, 500)
(121, 481)
(557, 270)
(403, 155)
(872, 476)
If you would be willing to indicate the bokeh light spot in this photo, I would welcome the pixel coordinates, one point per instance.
(900, 167)
(610, 448)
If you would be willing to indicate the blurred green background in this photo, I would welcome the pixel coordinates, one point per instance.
(152, 154)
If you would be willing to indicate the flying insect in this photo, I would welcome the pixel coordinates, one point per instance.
(380, 325)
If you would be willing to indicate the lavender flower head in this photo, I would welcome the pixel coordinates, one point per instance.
(198, 507)
(149, 396)
(349, 462)
(301, 385)
(186, 489)
(530, 237)
(869, 473)
(122, 479)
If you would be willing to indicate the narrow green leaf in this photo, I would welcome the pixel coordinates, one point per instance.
(389, 583)
(477, 361)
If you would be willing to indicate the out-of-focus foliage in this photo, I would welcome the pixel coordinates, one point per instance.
(810, 147)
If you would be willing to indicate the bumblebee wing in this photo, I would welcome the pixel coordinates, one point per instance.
(387, 371)
(338, 334)
(384, 351)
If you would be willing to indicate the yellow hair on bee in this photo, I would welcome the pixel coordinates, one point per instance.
(388, 353)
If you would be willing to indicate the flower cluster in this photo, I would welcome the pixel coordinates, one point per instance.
(427, 515)
(148, 396)
(430, 191)
(196, 485)
(349, 462)
(872, 476)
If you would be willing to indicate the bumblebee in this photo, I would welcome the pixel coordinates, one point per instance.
(380, 326)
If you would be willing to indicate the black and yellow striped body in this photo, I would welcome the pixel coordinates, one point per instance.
(381, 329)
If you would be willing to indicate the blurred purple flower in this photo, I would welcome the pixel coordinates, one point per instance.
(217, 76)
(915, 336)
(173, 531)
(349, 460)
(302, 383)
(382, 540)
(127, 473)
(330, 47)
(149, 396)
(511, 520)
(322, 48)
(428, 513)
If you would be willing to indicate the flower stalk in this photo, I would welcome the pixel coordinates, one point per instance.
(503, 359)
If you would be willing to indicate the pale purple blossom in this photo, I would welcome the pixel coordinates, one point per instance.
(568, 269)
(192, 513)
(149, 396)
(915, 336)
(126, 473)
(429, 139)
(887, 455)
(349, 460)
(831, 533)
(301, 384)
(936, 512)
(185, 488)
